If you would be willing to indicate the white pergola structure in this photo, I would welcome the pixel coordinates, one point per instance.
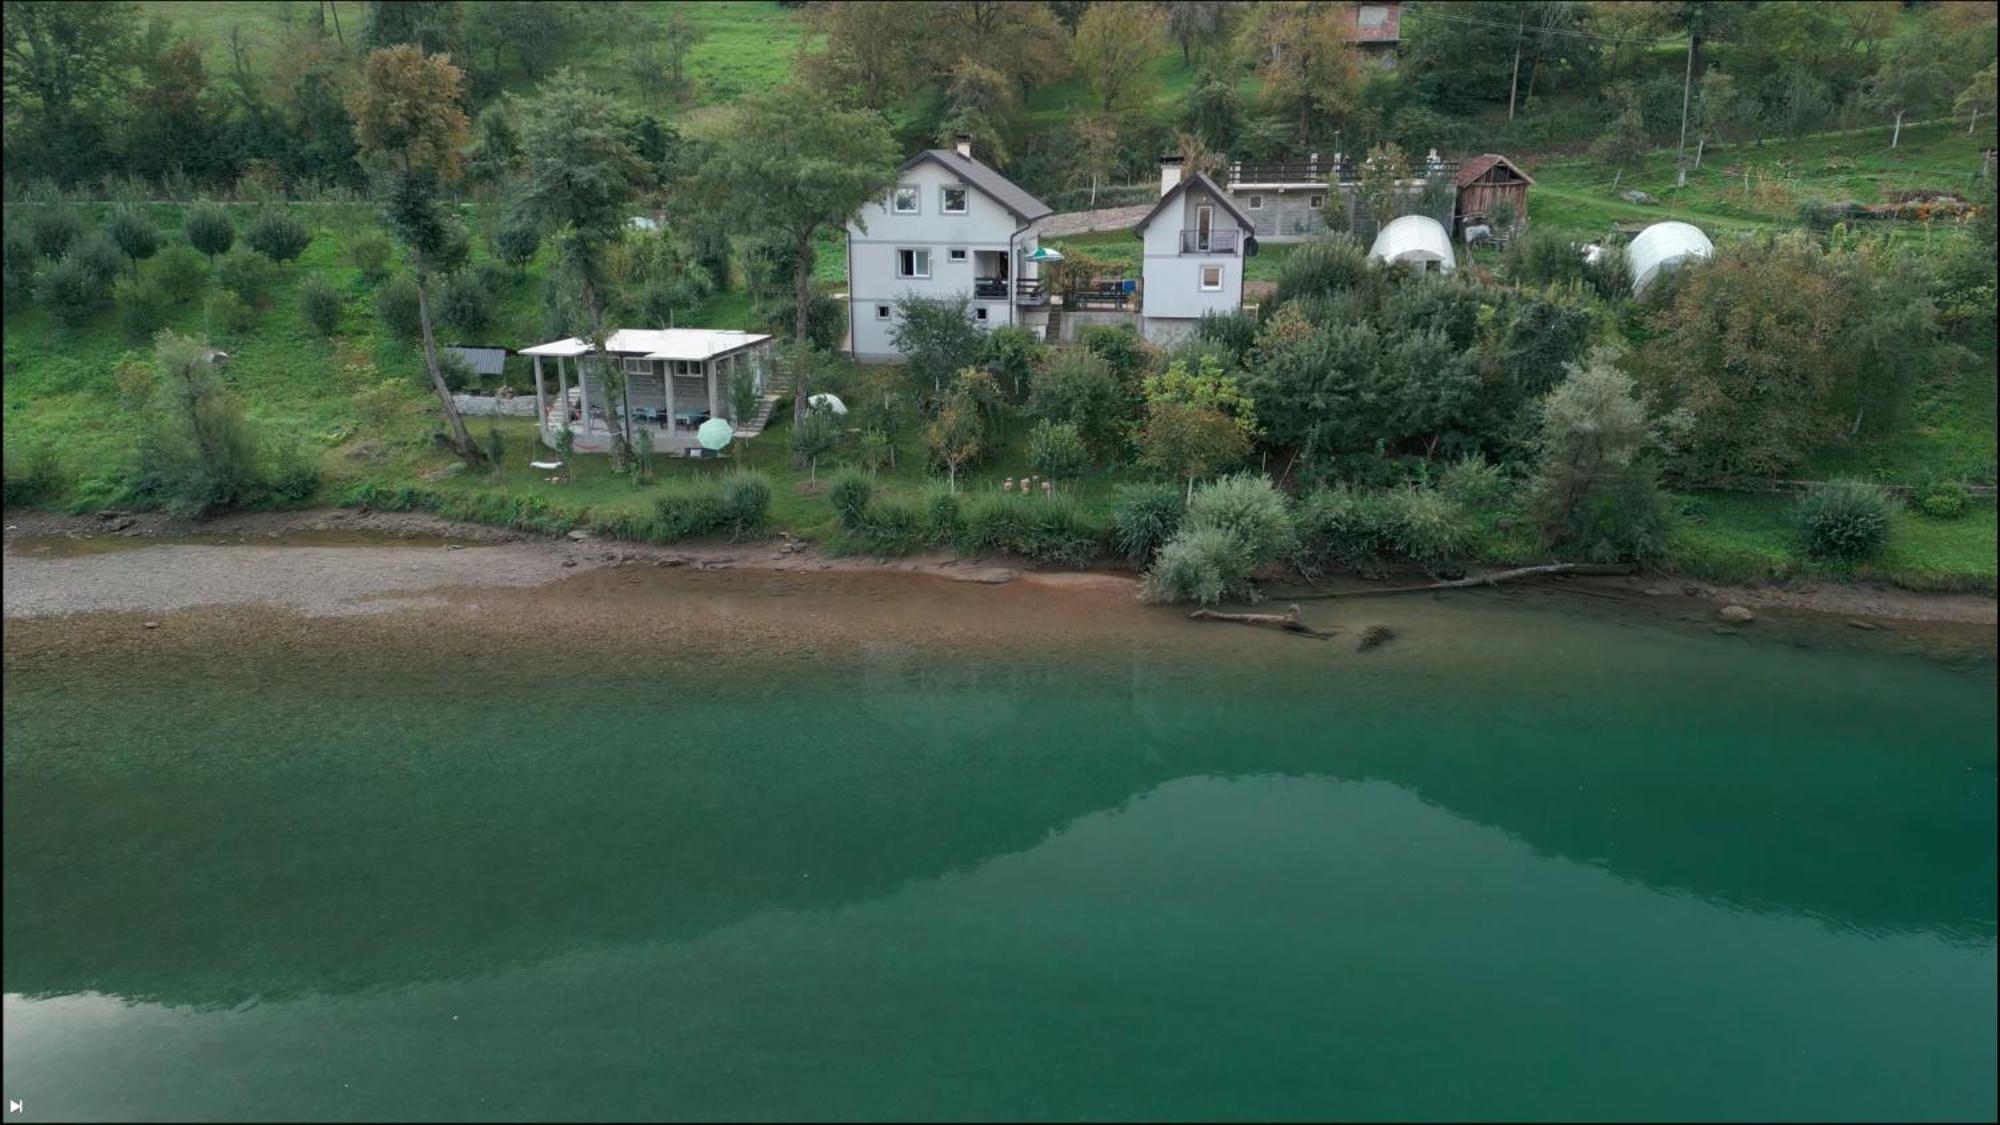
(675, 379)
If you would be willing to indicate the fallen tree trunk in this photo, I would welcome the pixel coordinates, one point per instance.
(1493, 579)
(1288, 621)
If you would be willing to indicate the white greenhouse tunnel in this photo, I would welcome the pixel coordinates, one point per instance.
(1415, 240)
(1663, 246)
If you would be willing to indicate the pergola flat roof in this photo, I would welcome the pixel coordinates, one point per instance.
(658, 343)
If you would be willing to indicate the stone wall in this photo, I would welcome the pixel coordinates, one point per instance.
(489, 406)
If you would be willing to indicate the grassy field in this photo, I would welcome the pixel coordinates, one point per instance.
(1747, 538)
(1751, 187)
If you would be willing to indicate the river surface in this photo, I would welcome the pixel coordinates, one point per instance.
(1518, 862)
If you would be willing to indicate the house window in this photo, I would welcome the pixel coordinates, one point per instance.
(1211, 279)
(638, 366)
(687, 367)
(1315, 201)
(979, 314)
(954, 201)
(1256, 203)
(955, 255)
(913, 263)
(905, 201)
(881, 312)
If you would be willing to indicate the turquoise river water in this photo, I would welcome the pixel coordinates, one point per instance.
(1517, 863)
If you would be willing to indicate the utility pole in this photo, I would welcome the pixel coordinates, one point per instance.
(1687, 88)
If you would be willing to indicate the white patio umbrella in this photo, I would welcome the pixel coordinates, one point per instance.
(715, 433)
(1046, 254)
(827, 402)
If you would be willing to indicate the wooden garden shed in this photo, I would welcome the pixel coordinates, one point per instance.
(1487, 179)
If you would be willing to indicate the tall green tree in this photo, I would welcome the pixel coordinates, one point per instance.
(65, 65)
(1911, 80)
(796, 166)
(581, 172)
(1113, 50)
(410, 125)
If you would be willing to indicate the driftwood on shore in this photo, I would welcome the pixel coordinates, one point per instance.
(1493, 579)
(1288, 621)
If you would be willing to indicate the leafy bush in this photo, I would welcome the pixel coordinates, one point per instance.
(1118, 345)
(994, 522)
(1079, 387)
(746, 502)
(208, 229)
(1322, 268)
(1200, 564)
(893, 526)
(33, 477)
(1235, 331)
(937, 339)
(21, 260)
(369, 254)
(1625, 518)
(396, 306)
(1427, 528)
(942, 513)
(294, 475)
(98, 254)
(1941, 499)
(181, 273)
(1248, 508)
(826, 319)
(71, 291)
(54, 230)
(1843, 519)
(142, 307)
(247, 274)
(517, 239)
(464, 303)
(686, 509)
(322, 305)
(1146, 518)
(1339, 528)
(1012, 354)
(1474, 482)
(455, 370)
(849, 492)
(1055, 450)
(278, 234)
(1061, 533)
(228, 315)
(133, 232)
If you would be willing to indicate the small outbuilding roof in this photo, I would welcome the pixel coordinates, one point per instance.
(1415, 239)
(658, 343)
(1663, 246)
(1220, 196)
(1470, 171)
(1002, 190)
(484, 359)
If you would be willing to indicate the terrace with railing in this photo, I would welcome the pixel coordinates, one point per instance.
(1314, 170)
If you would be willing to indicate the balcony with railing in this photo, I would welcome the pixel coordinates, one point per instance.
(1211, 241)
(1027, 290)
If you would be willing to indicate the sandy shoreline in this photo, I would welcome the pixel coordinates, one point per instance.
(339, 563)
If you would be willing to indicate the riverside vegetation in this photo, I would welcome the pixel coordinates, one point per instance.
(1523, 410)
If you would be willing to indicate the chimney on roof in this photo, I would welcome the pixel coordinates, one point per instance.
(962, 144)
(1170, 173)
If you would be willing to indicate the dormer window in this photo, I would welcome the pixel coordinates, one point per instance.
(954, 201)
(904, 200)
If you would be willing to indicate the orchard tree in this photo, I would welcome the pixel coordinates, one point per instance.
(410, 126)
(1977, 97)
(1311, 75)
(1113, 50)
(1911, 80)
(581, 174)
(797, 166)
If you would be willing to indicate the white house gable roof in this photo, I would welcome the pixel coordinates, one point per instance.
(658, 343)
(1214, 192)
(995, 186)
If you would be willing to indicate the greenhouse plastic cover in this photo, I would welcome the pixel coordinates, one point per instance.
(1663, 245)
(1416, 239)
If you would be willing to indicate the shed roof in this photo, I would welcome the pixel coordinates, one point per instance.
(1215, 192)
(484, 359)
(658, 343)
(1414, 238)
(1001, 189)
(1479, 165)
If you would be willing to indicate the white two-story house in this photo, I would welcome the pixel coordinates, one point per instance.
(950, 227)
(1195, 241)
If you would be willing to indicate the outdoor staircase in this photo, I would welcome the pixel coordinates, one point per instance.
(776, 387)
